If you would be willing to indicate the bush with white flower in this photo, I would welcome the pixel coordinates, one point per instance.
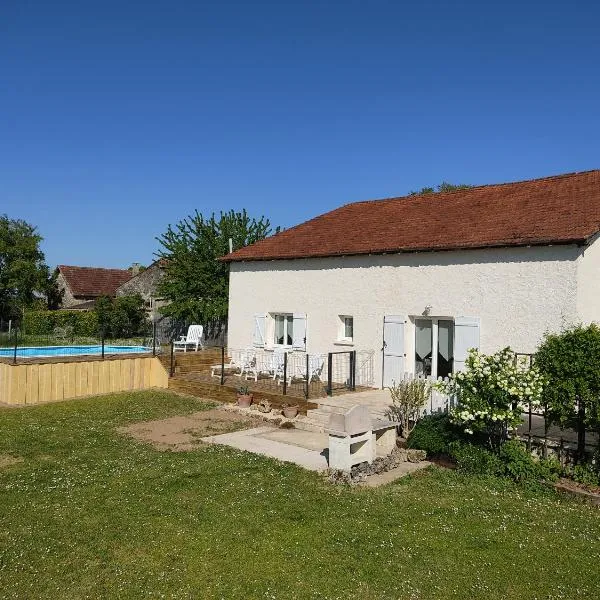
(493, 391)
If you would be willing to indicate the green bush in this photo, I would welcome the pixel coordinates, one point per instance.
(550, 469)
(44, 322)
(434, 434)
(570, 364)
(122, 317)
(586, 474)
(518, 463)
(475, 460)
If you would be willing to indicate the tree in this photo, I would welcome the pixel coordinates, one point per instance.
(570, 363)
(24, 276)
(195, 282)
(442, 187)
(121, 317)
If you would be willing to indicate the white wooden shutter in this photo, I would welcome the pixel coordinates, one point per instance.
(259, 330)
(299, 334)
(466, 336)
(393, 349)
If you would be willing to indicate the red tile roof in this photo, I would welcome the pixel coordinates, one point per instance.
(93, 281)
(553, 210)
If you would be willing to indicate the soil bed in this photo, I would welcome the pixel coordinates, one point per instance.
(180, 434)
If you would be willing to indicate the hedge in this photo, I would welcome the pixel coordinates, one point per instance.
(43, 322)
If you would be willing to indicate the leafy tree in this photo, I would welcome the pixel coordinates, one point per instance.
(196, 283)
(121, 317)
(570, 363)
(442, 187)
(24, 276)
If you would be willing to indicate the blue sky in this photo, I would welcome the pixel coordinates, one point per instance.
(117, 118)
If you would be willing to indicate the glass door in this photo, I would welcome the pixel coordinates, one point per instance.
(430, 334)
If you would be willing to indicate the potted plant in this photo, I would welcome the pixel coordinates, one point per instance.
(289, 410)
(244, 397)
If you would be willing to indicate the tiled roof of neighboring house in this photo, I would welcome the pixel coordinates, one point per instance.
(553, 210)
(93, 281)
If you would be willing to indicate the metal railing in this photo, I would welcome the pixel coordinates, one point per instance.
(18, 345)
(285, 372)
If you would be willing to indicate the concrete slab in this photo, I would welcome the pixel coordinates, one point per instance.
(253, 440)
(310, 440)
(393, 474)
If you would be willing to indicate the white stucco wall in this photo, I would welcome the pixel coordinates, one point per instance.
(518, 293)
(588, 283)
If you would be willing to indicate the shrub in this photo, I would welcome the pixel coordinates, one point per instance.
(434, 434)
(408, 398)
(121, 317)
(45, 322)
(475, 459)
(550, 469)
(586, 474)
(570, 363)
(518, 464)
(493, 392)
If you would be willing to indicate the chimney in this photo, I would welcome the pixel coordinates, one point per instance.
(135, 269)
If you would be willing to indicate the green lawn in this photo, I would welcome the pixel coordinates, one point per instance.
(92, 514)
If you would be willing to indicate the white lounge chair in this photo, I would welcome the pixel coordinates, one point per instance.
(277, 364)
(193, 338)
(261, 364)
(246, 361)
(316, 363)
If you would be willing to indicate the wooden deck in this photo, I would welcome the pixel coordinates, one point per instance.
(193, 377)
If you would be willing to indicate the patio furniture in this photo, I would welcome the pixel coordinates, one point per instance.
(228, 368)
(277, 364)
(246, 361)
(263, 363)
(316, 364)
(193, 339)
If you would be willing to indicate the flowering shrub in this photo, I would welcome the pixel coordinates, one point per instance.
(493, 392)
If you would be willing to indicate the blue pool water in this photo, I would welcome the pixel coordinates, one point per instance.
(46, 351)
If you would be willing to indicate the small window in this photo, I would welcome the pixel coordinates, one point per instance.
(284, 329)
(346, 333)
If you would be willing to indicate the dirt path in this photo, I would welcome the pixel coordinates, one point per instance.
(180, 434)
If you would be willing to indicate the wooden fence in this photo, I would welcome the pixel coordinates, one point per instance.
(49, 382)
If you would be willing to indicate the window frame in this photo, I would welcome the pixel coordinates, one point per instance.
(288, 329)
(342, 338)
(434, 342)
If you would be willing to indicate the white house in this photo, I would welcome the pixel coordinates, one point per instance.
(420, 279)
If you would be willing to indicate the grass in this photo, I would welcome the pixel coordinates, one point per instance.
(90, 513)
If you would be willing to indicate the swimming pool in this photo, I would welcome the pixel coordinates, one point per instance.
(49, 351)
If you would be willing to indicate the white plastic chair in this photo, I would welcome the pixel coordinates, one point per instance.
(277, 364)
(316, 363)
(246, 361)
(193, 338)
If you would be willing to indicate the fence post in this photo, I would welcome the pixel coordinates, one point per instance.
(329, 370)
(222, 365)
(172, 369)
(103, 335)
(306, 391)
(154, 337)
(285, 365)
(16, 344)
(580, 430)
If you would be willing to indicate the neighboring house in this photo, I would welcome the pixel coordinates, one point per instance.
(146, 283)
(421, 279)
(82, 286)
